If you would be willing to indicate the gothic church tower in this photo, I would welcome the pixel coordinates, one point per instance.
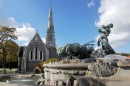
(50, 37)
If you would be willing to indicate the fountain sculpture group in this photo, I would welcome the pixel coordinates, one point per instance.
(84, 66)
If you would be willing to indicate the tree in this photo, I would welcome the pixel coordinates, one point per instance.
(12, 50)
(124, 54)
(7, 35)
(12, 55)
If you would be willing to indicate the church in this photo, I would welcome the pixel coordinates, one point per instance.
(37, 51)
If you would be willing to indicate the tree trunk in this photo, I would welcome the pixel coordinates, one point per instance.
(4, 64)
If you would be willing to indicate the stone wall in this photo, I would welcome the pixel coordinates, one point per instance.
(60, 73)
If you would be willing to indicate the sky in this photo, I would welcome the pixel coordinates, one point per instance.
(75, 21)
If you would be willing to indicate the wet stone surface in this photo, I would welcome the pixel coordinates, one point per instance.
(12, 81)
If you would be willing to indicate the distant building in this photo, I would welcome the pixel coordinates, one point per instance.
(37, 51)
(128, 56)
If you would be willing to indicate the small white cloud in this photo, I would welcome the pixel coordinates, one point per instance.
(12, 22)
(91, 4)
(8, 21)
(44, 40)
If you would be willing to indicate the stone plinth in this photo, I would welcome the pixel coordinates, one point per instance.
(62, 71)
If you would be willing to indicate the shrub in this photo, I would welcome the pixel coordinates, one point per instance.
(46, 62)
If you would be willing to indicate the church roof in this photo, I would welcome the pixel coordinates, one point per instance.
(36, 39)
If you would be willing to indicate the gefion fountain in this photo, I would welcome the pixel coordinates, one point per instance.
(84, 66)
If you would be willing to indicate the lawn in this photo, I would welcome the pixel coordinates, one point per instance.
(8, 70)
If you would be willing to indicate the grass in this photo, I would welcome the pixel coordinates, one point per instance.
(8, 70)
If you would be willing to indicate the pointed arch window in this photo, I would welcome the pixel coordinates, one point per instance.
(31, 55)
(41, 55)
(36, 53)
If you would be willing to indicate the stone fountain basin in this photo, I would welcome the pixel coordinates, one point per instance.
(54, 72)
(61, 71)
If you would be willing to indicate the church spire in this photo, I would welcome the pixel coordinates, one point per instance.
(50, 27)
(50, 37)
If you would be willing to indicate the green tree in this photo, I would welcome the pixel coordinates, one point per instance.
(123, 54)
(12, 51)
(7, 35)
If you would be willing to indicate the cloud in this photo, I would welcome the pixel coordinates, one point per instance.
(26, 32)
(8, 21)
(91, 4)
(43, 39)
(116, 12)
(12, 22)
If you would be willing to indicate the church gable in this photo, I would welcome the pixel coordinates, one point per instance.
(36, 41)
(36, 38)
(36, 49)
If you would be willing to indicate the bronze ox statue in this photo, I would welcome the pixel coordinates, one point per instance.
(76, 50)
